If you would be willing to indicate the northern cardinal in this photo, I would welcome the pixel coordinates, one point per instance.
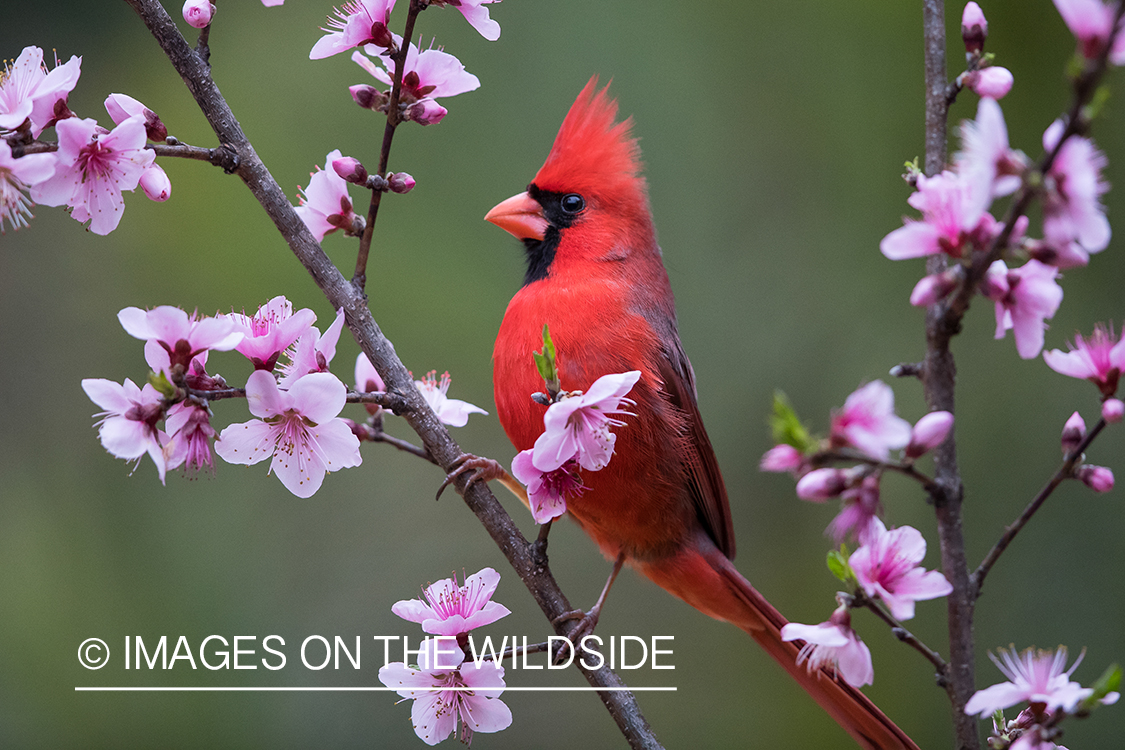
(595, 277)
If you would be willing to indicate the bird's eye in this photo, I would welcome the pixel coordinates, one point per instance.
(572, 203)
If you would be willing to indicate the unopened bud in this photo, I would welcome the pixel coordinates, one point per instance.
(1097, 478)
(1074, 431)
(821, 484)
(155, 183)
(369, 97)
(350, 169)
(936, 287)
(993, 82)
(400, 182)
(1113, 410)
(426, 112)
(974, 28)
(930, 431)
(198, 13)
(781, 457)
(1061, 254)
(381, 36)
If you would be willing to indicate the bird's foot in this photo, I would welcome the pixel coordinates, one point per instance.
(587, 621)
(482, 470)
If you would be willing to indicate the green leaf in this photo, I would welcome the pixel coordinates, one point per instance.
(161, 383)
(545, 363)
(1109, 682)
(786, 426)
(838, 564)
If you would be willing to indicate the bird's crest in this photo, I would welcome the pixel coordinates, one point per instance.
(593, 154)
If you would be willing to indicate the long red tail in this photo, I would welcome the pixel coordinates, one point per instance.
(704, 578)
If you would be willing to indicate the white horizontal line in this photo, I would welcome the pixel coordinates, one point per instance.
(356, 689)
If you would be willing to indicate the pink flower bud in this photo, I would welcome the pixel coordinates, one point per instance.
(936, 287)
(121, 107)
(350, 169)
(1073, 433)
(1097, 478)
(821, 484)
(974, 28)
(400, 182)
(1113, 410)
(781, 457)
(369, 97)
(929, 433)
(155, 183)
(198, 13)
(994, 82)
(426, 112)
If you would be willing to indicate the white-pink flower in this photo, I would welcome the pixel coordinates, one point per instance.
(16, 176)
(929, 432)
(985, 159)
(270, 331)
(578, 426)
(951, 207)
(93, 168)
(325, 205)
(428, 74)
(356, 23)
(1099, 359)
(477, 16)
(1033, 676)
(436, 711)
(859, 512)
(547, 491)
(298, 428)
(1091, 22)
(128, 426)
(27, 90)
(1025, 297)
(887, 567)
(868, 422)
(450, 411)
(781, 457)
(1072, 208)
(177, 336)
(834, 646)
(453, 609)
(312, 352)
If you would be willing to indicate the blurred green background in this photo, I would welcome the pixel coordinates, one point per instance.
(773, 136)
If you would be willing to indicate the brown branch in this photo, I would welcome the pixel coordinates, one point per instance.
(1064, 472)
(860, 599)
(905, 468)
(220, 157)
(621, 704)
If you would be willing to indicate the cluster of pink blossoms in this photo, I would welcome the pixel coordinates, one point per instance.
(91, 167)
(438, 683)
(576, 435)
(296, 401)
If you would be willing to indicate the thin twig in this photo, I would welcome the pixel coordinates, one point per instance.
(842, 454)
(860, 599)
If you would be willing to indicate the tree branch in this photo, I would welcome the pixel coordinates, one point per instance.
(621, 704)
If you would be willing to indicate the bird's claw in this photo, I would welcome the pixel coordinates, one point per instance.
(483, 470)
(587, 621)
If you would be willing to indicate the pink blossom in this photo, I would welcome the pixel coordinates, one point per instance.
(992, 82)
(356, 23)
(821, 484)
(887, 568)
(27, 90)
(547, 491)
(198, 13)
(155, 183)
(190, 431)
(436, 712)
(974, 27)
(1073, 433)
(1099, 359)
(833, 645)
(16, 175)
(454, 609)
(1091, 22)
(400, 182)
(782, 457)
(1113, 410)
(1033, 676)
(868, 422)
(367, 380)
(178, 336)
(312, 352)
(929, 432)
(325, 205)
(450, 411)
(93, 168)
(270, 331)
(350, 169)
(477, 16)
(859, 512)
(1072, 208)
(951, 209)
(1024, 298)
(936, 287)
(1097, 478)
(985, 159)
(128, 426)
(121, 107)
(425, 112)
(299, 428)
(578, 426)
(429, 74)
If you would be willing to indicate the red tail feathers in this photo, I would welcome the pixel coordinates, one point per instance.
(704, 578)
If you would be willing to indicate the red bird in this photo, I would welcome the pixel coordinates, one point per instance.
(595, 277)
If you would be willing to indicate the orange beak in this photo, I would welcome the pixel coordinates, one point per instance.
(521, 215)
